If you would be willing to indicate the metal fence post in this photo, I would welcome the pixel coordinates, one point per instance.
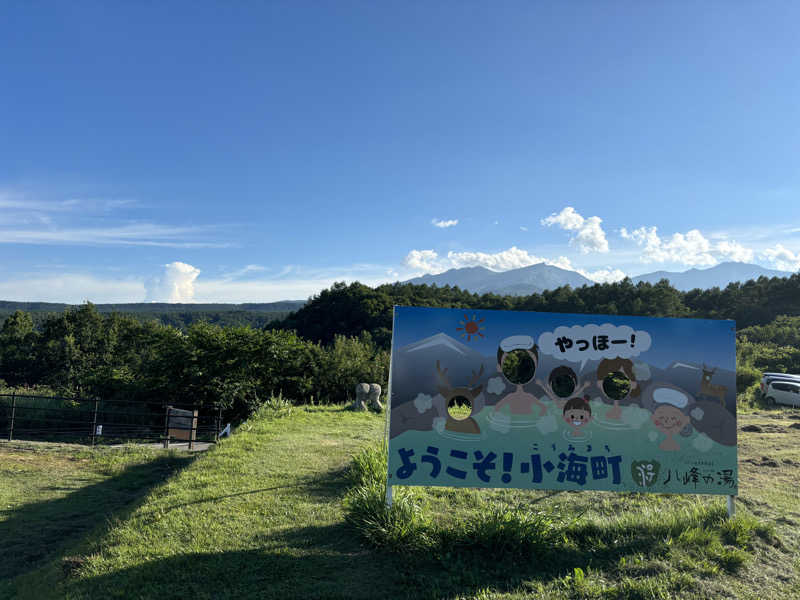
(94, 422)
(218, 423)
(13, 413)
(166, 428)
(193, 431)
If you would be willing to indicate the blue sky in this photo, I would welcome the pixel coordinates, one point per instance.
(260, 151)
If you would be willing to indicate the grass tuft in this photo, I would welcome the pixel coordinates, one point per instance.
(643, 547)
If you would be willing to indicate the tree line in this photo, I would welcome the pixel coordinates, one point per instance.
(341, 337)
(350, 309)
(83, 353)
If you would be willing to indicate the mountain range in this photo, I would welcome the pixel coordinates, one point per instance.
(516, 282)
(539, 277)
(719, 276)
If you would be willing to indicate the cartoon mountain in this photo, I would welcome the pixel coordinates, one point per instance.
(415, 366)
(439, 341)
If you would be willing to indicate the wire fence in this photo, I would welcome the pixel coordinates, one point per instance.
(86, 421)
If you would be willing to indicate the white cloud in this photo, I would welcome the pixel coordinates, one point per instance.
(735, 252)
(137, 234)
(175, 287)
(513, 258)
(246, 270)
(423, 260)
(607, 275)
(588, 234)
(10, 200)
(691, 248)
(428, 261)
(783, 258)
(568, 219)
(522, 228)
(444, 224)
(177, 284)
(26, 219)
(71, 288)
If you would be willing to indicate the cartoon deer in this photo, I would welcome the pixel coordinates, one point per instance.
(450, 393)
(712, 391)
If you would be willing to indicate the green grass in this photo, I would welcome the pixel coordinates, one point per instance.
(292, 507)
(54, 498)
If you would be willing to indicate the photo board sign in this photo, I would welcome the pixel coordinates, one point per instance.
(483, 398)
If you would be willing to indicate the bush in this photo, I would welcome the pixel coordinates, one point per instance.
(746, 376)
(346, 363)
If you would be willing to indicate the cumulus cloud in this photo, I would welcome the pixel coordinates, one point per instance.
(176, 284)
(588, 236)
(423, 260)
(429, 261)
(443, 224)
(691, 248)
(607, 275)
(735, 251)
(513, 258)
(783, 258)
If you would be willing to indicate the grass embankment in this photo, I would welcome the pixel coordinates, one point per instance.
(264, 516)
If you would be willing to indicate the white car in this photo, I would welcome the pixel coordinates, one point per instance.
(768, 378)
(783, 392)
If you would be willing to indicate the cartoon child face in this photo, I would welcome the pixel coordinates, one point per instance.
(577, 417)
(669, 419)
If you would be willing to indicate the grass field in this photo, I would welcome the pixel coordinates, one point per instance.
(264, 516)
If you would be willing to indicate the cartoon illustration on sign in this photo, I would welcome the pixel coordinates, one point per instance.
(458, 400)
(706, 387)
(517, 357)
(562, 383)
(617, 384)
(670, 406)
(577, 414)
(553, 401)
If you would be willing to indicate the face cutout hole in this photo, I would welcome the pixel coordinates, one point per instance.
(459, 407)
(617, 385)
(563, 382)
(519, 366)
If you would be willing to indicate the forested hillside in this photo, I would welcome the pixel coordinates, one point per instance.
(176, 315)
(339, 338)
(351, 309)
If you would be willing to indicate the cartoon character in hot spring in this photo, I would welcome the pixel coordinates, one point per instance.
(517, 360)
(671, 407)
(616, 380)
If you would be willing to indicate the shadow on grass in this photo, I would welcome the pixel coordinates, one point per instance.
(326, 487)
(40, 531)
(332, 562)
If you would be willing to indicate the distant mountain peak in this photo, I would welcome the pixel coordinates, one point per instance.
(717, 276)
(522, 281)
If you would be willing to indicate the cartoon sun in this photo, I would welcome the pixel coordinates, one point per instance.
(471, 327)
